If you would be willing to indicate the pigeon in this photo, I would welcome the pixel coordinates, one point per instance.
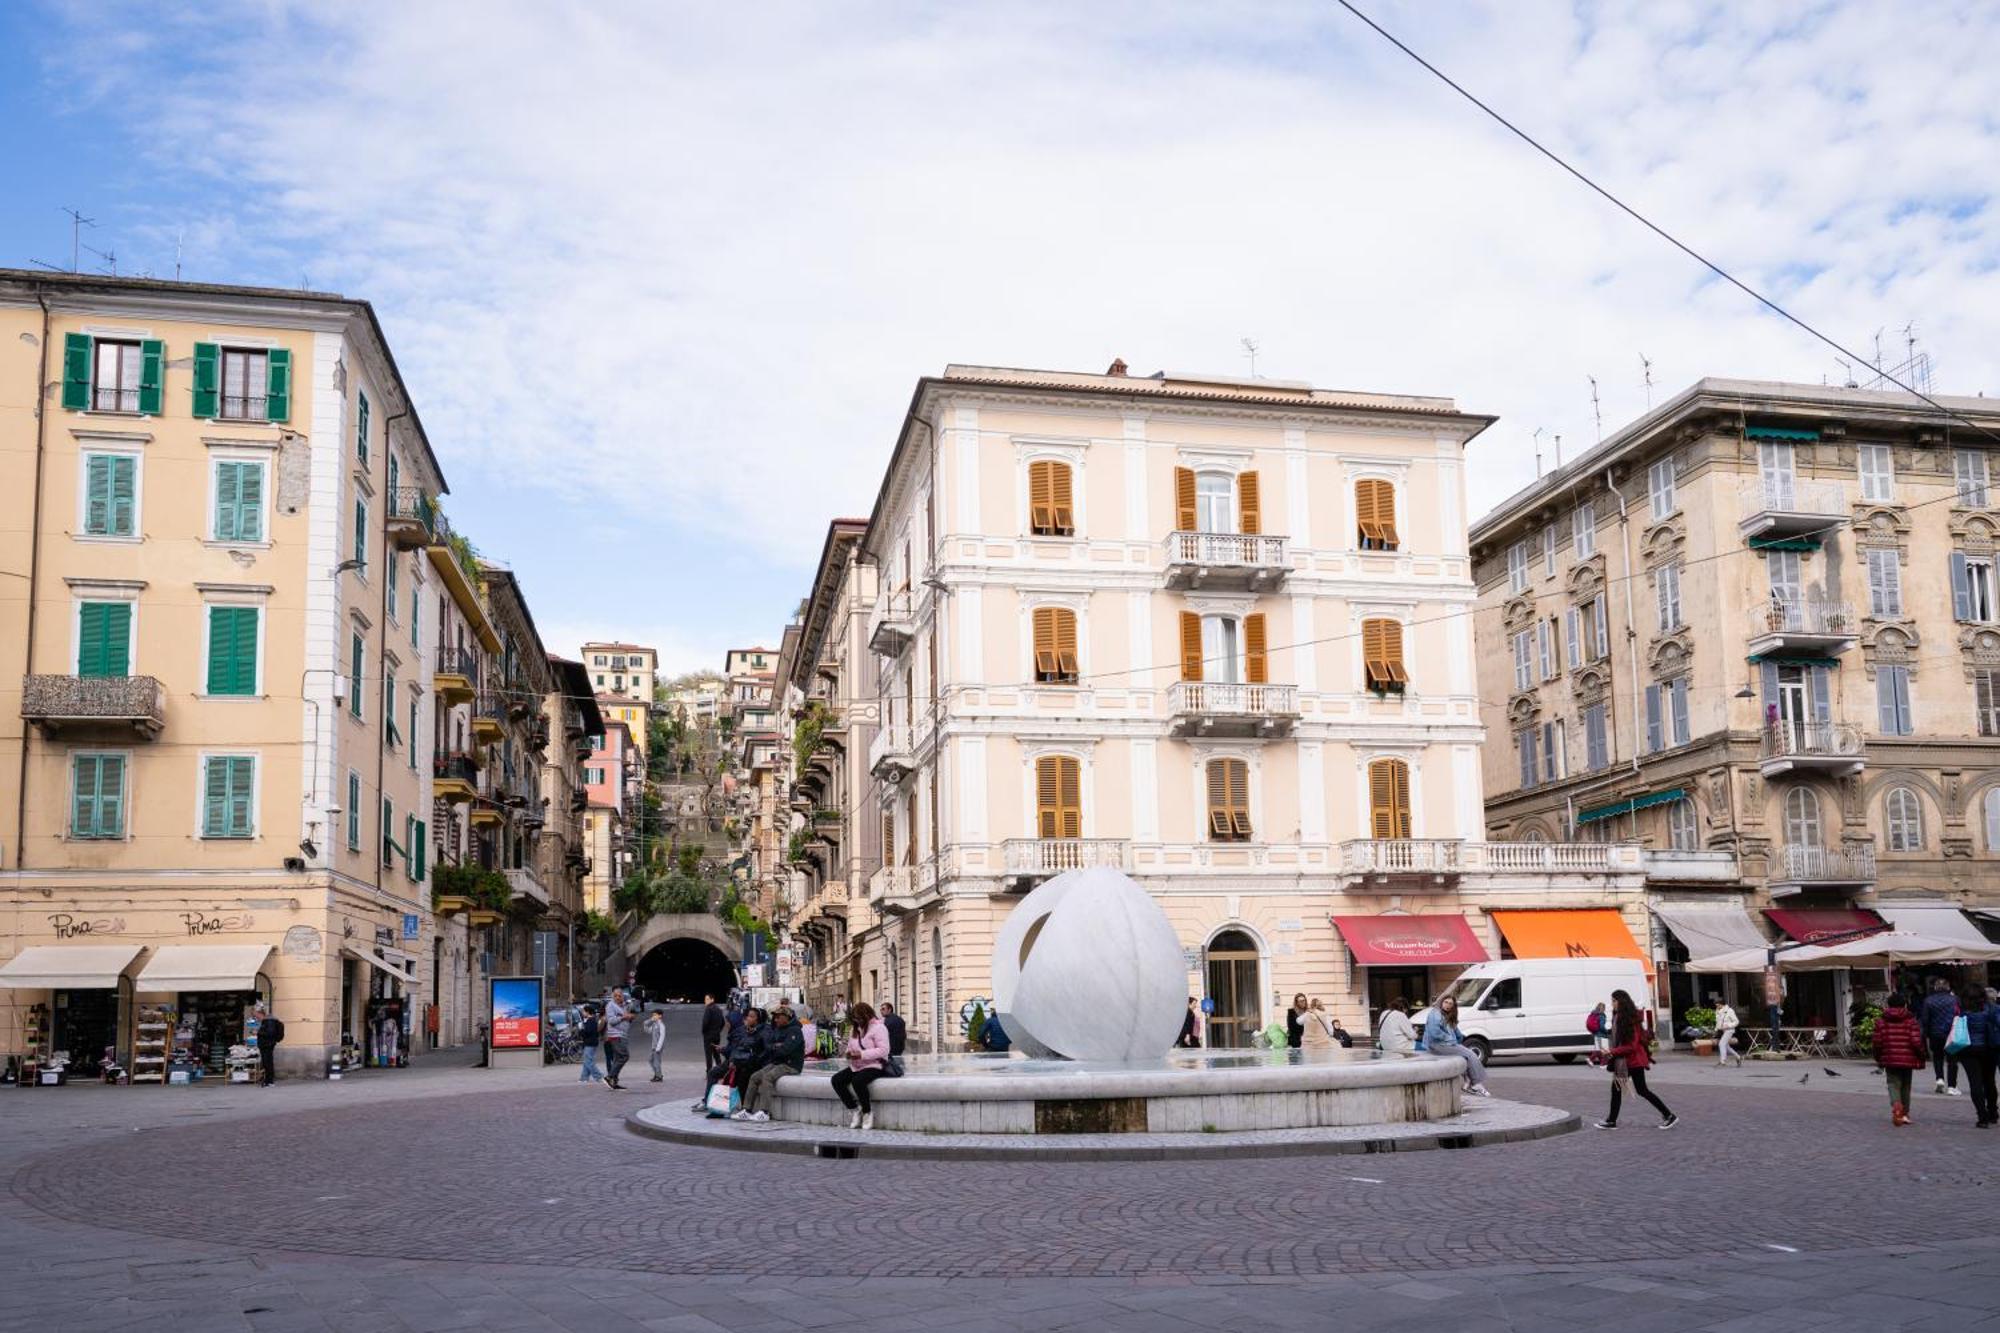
(1830, 1073)
(1803, 1077)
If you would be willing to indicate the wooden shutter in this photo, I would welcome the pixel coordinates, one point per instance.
(152, 369)
(228, 487)
(97, 483)
(104, 639)
(1046, 666)
(420, 852)
(1375, 513)
(910, 830)
(1376, 651)
(1389, 798)
(1065, 644)
(1041, 498)
(1239, 796)
(1248, 511)
(1220, 826)
(1190, 646)
(1071, 774)
(232, 650)
(361, 427)
(207, 380)
(1184, 516)
(1256, 662)
(215, 799)
(1061, 497)
(278, 385)
(1058, 797)
(97, 800)
(77, 355)
(124, 506)
(250, 502)
(1228, 800)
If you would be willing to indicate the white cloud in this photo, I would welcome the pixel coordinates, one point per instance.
(686, 264)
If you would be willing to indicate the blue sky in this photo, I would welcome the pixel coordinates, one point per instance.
(661, 278)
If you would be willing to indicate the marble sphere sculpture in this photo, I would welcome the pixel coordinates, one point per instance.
(1088, 968)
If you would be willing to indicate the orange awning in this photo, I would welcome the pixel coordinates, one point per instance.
(1595, 932)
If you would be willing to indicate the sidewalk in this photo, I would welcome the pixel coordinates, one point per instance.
(1685, 1069)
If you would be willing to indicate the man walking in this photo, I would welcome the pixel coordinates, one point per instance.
(1725, 1030)
(270, 1031)
(656, 1037)
(1940, 1011)
(617, 1022)
(588, 1033)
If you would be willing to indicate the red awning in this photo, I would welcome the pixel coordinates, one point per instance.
(1810, 925)
(1410, 941)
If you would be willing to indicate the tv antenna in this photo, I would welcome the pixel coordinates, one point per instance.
(1596, 408)
(1646, 369)
(77, 222)
(1250, 350)
(179, 234)
(1538, 451)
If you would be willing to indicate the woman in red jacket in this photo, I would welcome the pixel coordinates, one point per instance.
(1899, 1049)
(1630, 1058)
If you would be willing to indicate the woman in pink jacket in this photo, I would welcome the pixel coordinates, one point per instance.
(866, 1054)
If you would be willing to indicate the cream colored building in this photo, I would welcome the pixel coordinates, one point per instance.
(625, 670)
(1213, 632)
(1757, 631)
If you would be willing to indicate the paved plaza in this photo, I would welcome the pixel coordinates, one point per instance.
(445, 1197)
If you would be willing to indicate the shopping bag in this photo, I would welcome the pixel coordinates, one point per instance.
(723, 1100)
(1959, 1038)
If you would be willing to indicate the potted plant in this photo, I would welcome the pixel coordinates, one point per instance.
(1699, 1028)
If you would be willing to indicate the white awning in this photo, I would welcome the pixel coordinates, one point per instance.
(1938, 921)
(1870, 951)
(197, 967)
(68, 966)
(1708, 931)
(386, 966)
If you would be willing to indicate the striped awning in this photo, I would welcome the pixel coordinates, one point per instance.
(1627, 807)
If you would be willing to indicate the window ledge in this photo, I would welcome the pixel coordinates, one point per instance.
(219, 544)
(114, 413)
(231, 698)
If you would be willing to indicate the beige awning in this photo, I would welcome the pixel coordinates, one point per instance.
(385, 966)
(68, 966)
(195, 967)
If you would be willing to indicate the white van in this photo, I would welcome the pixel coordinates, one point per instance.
(1537, 1006)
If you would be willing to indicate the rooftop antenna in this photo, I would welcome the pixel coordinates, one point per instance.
(77, 222)
(1878, 352)
(1597, 408)
(1647, 368)
(1559, 453)
(179, 233)
(1538, 451)
(1848, 366)
(1250, 350)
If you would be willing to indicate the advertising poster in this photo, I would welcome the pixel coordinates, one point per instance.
(517, 1013)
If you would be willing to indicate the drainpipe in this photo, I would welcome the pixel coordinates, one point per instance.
(1631, 616)
(34, 572)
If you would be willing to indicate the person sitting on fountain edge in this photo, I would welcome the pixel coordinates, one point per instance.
(994, 1037)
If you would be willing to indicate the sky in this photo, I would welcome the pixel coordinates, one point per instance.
(661, 278)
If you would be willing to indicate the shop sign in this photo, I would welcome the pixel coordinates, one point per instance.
(409, 925)
(385, 937)
(517, 1013)
(218, 923)
(69, 926)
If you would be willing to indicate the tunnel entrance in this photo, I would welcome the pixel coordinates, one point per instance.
(683, 970)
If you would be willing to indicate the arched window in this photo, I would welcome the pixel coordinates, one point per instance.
(1375, 514)
(1990, 804)
(1050, 511)
(1802, 826)
(1389, 798)
(1228, 800)
(1382, 655)
(1683, 832)
(1058, 797)
(1055, 645)
(1906, 820)
(1533, 835)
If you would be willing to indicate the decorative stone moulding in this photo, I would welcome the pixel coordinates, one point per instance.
(1087, 967)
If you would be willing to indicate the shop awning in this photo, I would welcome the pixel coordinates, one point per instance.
(192, 967)
(1810, 925)
(68, 966)
(1707, 931)
(1884, 948)
(1627, 807)
(1938, 921)
(1595, 932)
(1783, 543)
(1410, 941)
(1792, 659)
(1778, 433)
(390, 967)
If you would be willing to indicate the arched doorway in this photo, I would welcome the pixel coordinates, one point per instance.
(685, 969)
(1233, 968)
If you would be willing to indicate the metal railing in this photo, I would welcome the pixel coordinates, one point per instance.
(1830, 865)
(1803, 617)
(1227, 550)
(455, 765)
(1233, 699)
(1783, 495)
(1054, 855)
(138, 700)
(526, 884)
(1787, 739)
(458, 662)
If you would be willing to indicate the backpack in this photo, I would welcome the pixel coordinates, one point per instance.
(1594, 1024)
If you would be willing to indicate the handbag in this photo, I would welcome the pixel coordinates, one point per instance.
(893, 1067)
(723, 1099)
(1960, 1037)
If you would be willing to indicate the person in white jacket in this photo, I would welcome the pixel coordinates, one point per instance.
(1395, 1032)
(1725, 1031)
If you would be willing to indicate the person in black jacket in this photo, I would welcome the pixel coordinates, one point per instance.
(784, 1053)
(749, 1048)
(898, 1033)
(270, 1031)
(713, 1024)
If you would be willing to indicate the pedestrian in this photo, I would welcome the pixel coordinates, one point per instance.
(809, 1034)
(1598, 1024)
(1725, 1031)
(1442, 1037)
(1630, 1058)
(749, 1049)
(1899, 1049)
(1939, 1012)
(270, 1031)
(899, 1033)
(994, 1037)
(867, 1052)
(1190, 1027)
(713, 1025)
(617, 1022)
(1982, 1028)
(1295, 1022)
(784, 1053)
(587, 1038)
(1395, 1033)
(656, 1036)
(1317, 1030)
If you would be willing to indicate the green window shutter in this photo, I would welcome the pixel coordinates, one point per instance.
(152, 370)
(395, 479)
(104, 639)
(242, 777)
(97, 494)
(123, 508)
(410, 846)
(207, 380)
(278, 385)
(76, 372)
(353, 811)
(111, 796)
(420, 852)
(246, 649)
(83, 778)
(215, 798)
(413, 735)
(354, 678)
(361, 427)
(361, 534)
(250, 502)
(117, 638)
(232, 649)
(228, 500)
(390, 558)
(416, 606)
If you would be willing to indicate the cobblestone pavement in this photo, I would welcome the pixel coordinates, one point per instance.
(453, 1198)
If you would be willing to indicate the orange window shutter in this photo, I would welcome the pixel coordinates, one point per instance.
(1190, 646)
(910, 830)
(1401, 774)
(1374, 660)
(1041, 496)
(1392, 652)
(1062, 510)
(1184, 519)
(1045, 642)
(1219, 823)
(1248, 508)
(1048, 797)
(1072, 797)
(1256, 663)
(1385, 512)
(888, 838)
(1381, 799)
(1239, 796)
(1065, 643)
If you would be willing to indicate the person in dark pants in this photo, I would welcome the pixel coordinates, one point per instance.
(1940, 1008)
(898, 1033)
(1190, 1027)
(713, 1024)
(1982, 1027)
(1630, 1059)
(867, 1052)
(1295, 1021)
(270, 1031)
(617, 1023)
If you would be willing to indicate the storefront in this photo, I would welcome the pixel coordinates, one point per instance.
(1408, 957)
(207, 995)
(1707, 930)
(1593, 932)
(73, 1025)
(378, 988)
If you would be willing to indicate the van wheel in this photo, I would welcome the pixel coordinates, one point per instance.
(1566, 1058)
(1480, 1047)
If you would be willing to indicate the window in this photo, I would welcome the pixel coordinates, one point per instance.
(1555, 753)
(232, 650)
(110, 495)
(1600, 648)
(1545, 649)
(115, 387)
(1667, 597)
(353, 811)
(1892, 701)
(1683, 835)
(228, 789)
(1906, 820)
(1573, 637)
(1215, 502)
(389, 565)
(1660, 487)
(1986, 700)
(390, 738)
(389, 847)
(1506, 994)
(1878, 472)
(1549, 551)
(356, 656)
(239, 501)
(416, 605)
(1787, 580)
(245, 385)
(1524, 741)
(1972, 588)
(1375, 514)
(1802, 825)
(109, 375)
(1596, 739)
(593, 776)
(1968, 466)
(103, 639)
(1990, 804)
(1885, 583)
(97, 796)
(1583, 530)
(1050, 510)
(1776, 473)
(1524, 660)
(1389, 798)
(1055, 645)
(1058, 799)
(1517, 567)
(1228, 800)
(1382, 655)
(1667, 722)
(361, 428)
(360, 551)
(1224, 649)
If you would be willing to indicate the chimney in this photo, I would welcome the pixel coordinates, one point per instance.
(1117, 367)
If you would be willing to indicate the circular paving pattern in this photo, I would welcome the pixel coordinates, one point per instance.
(553, 1177)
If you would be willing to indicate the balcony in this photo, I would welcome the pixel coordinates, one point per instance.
(455, 778)
(1217, 708)
(1833, 748)
(489, 719)
(892, 624)
(412, 518)
(524, 884)
(1813, 629)
(1667, 866)
(1538, 858)
(893, 890)
(134, 703)
(1401, 864)
(1775, 508)
(1797, 869)
(1026, 862)
(1227, 561)
(892, 754)
(457, 671)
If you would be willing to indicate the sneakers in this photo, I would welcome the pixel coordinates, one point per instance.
(1952, 1092)
(1479, 1090)
(1605, 1124)
(854, 1120)
(868, 1120)
(699, 1108)
(739, 1115)
(1670, 1122)
(1939, 1089)
(659, 1078)
(606, 1081)
(760, 1115)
